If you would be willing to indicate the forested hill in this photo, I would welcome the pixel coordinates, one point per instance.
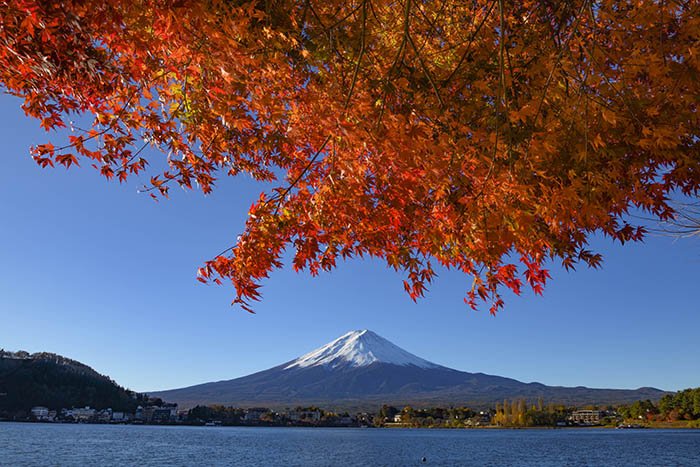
(56, 382)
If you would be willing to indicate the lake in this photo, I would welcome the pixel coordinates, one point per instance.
(24, 444)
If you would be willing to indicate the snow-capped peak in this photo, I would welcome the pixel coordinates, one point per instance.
(359, 348)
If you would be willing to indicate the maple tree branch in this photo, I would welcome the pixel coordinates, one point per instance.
(469, 44)
(350, 13)
(116, 118)
(612, 86)
(501, 92)
(327, 29)
(559, 57)
(282, 195)
(433, 30)
(502, 71)
(425, 70)
(224, 252)
(125, 165)
(360, 54)
(397, 60)
(109, 127)
(431, 22)
(160, 184)
(406, 32)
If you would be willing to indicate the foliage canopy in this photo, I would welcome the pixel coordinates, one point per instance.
(488, 136)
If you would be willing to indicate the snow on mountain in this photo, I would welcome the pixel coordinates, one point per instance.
(361, 370)
(358, 349)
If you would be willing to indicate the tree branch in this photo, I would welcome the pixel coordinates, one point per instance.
(360, 55)
(303, 172)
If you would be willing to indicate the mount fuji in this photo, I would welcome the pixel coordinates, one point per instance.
(362, 369)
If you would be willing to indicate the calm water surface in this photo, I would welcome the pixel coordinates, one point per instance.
(46, 444)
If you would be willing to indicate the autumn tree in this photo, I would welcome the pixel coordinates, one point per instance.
(488, 136)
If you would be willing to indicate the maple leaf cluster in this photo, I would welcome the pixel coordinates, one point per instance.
(488, 136)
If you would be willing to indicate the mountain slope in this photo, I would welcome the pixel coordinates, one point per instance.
(50, 380)
(361, 369)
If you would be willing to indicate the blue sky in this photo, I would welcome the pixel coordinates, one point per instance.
(97, 272)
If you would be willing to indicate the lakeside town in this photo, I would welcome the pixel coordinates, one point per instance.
(46, 387)
(506, 415)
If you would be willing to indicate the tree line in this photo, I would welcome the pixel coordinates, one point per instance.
(682, 405)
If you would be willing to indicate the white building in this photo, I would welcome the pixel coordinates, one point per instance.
(586, 417)
(81, 414)
(40, 413)
(119, 417)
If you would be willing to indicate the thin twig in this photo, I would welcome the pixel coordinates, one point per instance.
(426, 71)
(559, 57)
(467, 50)
(359, 56)
(298, 177)
(397, 60)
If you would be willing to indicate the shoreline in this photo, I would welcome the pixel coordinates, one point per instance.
(664, 426)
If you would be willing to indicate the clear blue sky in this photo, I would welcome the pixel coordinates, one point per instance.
(97, 272)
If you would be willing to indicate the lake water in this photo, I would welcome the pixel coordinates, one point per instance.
(46, 444)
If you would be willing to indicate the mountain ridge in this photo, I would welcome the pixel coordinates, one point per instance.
(361, 369)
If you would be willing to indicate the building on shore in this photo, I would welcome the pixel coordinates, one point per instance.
(165, 413)
(43, 414)
(586, 417)
(119, 417)
(255, 414)
(304, 415)
(81, 414)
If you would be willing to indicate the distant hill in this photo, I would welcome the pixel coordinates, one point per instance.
(53, 381)
(362, 370)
